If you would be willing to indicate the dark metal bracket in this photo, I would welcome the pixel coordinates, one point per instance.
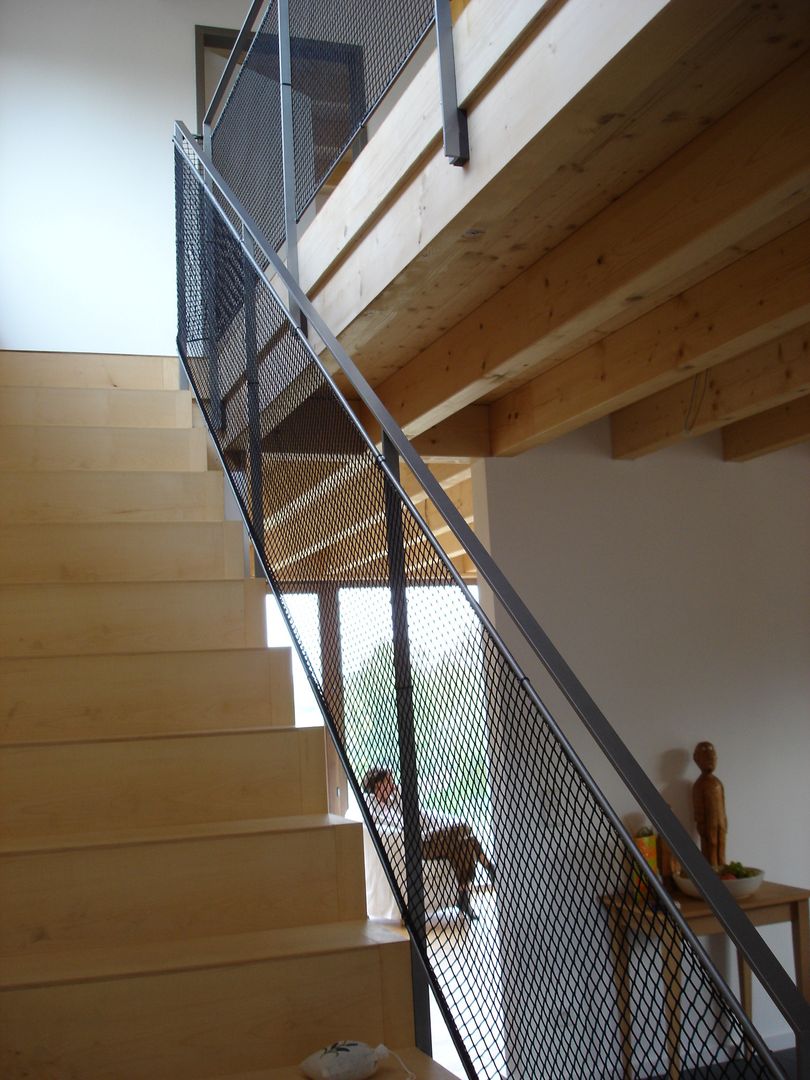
(454, 119)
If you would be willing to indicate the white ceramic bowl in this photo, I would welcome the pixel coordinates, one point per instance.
(739, 888)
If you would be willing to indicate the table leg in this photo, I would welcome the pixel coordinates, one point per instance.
(800, 925)
(744, 972)
(618, 947)
(672, 954)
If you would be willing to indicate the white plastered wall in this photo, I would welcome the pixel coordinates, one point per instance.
(89, 90)
(678, 588)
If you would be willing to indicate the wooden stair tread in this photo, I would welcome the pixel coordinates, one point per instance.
(424, 1067)
(51, 496)
(117, 551)
(93, 965)
(168, 834)
(84, 406)
(119, 696)
(96, 370)
(75, 618)
(154, 736)
(42, 448)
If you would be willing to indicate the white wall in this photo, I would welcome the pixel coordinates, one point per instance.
(678, 588)
(89, 90)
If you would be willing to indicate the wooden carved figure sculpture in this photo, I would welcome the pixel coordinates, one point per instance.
(710, 806)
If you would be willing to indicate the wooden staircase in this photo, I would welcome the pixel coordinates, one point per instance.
(176, 901)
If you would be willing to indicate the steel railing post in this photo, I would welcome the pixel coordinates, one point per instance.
(208, 273)
(254, 448)
(412, 827)
(288, 148)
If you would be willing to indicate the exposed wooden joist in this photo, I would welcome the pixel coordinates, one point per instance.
(784, 426)
(770, 375)
(684, 221)
(757, 298)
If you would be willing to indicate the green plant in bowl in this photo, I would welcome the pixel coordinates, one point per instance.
(741, 881)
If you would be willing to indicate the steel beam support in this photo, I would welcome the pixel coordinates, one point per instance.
(454, 119)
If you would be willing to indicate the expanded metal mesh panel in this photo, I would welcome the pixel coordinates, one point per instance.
(246, 142)
(343, 59)
(567, 965)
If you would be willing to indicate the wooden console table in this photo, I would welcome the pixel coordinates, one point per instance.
(771, 903)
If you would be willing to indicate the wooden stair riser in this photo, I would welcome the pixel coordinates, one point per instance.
(86, 497)
(68, 620)
(66, 407)
(47, 792)
(196, 1024)
(120, 551)
(91, 370)
(106, 896)
(46, 449)
(97, 697)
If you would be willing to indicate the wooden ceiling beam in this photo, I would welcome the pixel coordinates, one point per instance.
(685, 220)
(767, 376)
(460, 439)
(773, 430)
(757, 298)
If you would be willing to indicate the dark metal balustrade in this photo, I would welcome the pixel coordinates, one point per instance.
(532, 989)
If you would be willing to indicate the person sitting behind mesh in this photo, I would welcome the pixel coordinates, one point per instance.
(443, 837)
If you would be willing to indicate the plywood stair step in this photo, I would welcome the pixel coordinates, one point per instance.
(93, 408)
(120, 617)
(164, 884)
(57, 370)
(204, 1007)
(49, 791)
(423, 1067)
(56, 699)
(25, 449)
(56, 497)
(122, 551)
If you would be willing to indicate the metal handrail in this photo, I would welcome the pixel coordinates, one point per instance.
(745, 937)
(230, 66)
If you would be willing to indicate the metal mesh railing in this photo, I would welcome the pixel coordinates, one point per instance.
(572, 963)
(246, 142)
(343, 59)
